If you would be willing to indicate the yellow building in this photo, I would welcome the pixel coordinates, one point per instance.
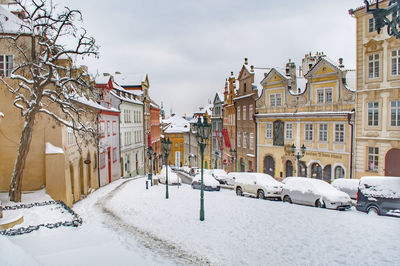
(378, 98)
(176, 129)
(205, 112)
(313, 111)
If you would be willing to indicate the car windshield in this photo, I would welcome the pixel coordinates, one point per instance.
(322, 185)
(388, 187)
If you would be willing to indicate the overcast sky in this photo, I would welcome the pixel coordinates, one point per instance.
(189, 47)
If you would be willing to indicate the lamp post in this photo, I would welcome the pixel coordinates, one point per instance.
(166, 144)
(234, 159)
(149, 154)
(154, 164)
(202, 135)
(299, 155)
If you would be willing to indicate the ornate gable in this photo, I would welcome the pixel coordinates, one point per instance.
(273, 78)
(373, 46)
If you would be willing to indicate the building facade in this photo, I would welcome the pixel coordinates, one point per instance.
(216, 130)
(315, 111)
(244, 102)
(229, 125)
(378, 98)
(155, 132)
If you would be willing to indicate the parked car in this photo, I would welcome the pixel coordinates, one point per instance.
(220, 175)
(314, 192)
(258, 184)
(349, 186)
(194, 171)
(379, 195)
(231, 177)
(209, 182)
(173, 178)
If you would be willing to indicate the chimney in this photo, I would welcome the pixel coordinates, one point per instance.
(341, 63)
(252, 68)
(245, 61)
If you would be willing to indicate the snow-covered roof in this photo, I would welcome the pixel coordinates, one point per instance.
(176, 124)
(130, 79)
(305, 114)
(83, 100)
(126, 99)
(10, 23)
(244, 96)
(351, 80)
(51, 149)
(102, 79)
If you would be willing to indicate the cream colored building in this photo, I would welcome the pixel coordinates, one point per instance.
(310, 110)
(378, 98)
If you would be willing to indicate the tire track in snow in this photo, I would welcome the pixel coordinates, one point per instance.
(147, 239)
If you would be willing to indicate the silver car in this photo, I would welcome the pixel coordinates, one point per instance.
(314, 192)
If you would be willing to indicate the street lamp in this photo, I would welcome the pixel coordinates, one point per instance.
(202, 135)
(166, 144)
(233, 154)
(149, 154)
(381, 16)
(298, 155)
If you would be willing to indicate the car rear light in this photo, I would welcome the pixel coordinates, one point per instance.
(281, 190)
(357, 196)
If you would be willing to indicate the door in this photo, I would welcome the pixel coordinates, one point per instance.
(289, 168)
(327, 173)
(109, 164)
(269, 166)
(316, 171)
(392, 160)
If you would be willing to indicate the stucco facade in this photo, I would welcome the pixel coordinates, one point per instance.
(313, 111)
(378, 99)
(229, 125)
(216, 130)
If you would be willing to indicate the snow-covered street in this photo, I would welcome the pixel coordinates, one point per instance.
(126, 224)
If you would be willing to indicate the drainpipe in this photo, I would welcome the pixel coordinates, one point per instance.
(349, 115)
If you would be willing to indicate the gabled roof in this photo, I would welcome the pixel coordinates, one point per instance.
(131, 80)
(176, 124)
(10, 23)
(219, 97)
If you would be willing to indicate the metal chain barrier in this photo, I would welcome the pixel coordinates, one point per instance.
(77, 221)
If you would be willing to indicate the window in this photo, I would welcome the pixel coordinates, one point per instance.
(238, 113)
(373, 114)
(102, 129)
(323, 132)
(324, 95)
(289, 131)
(238, 139)
(114, 128)
(176, 144)
(251, 141)
(127, 163)
(395, 113)
(373, 154)
(371, 25)
(339, 172)
(181, 144)
(6, 65)
(70, 136)
(395, 62)
(275, 100)
(309, 132)
(244, 112)
(102, 160)
(114, 154)
(268, 131)
(108, 128)
(250, 112)
(244, 139)
(373, 66)
(128, 117)
(339, 133)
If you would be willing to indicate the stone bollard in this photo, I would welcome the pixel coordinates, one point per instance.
(1, 210)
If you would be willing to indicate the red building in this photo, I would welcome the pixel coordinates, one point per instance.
(155, 133)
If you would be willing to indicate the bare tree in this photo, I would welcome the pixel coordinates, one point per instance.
(45, 80)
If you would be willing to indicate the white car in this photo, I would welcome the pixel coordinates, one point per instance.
(349, 186)
(173, 178)
(209, 182)
(314, 192)
(220, 175)
(258, 184)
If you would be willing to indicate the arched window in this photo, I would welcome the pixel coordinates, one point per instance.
(316, 171)
(339, 172)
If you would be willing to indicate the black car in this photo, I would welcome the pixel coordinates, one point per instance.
(379, 195)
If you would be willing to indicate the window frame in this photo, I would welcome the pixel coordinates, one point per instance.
(323, 132)
(395, 111)
(289, 130)
(7, 66)
(373, 157)
(268, 130)
(340, 134)
(309, 132)
(375, 111)
(373, 66)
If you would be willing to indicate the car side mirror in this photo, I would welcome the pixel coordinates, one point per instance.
(255, 182)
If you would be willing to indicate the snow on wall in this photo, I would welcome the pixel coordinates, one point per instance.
(51, 149)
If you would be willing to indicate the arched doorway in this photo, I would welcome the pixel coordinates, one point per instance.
(303, 169)
(339, 172)
(289, 168)
(392, 160)
(327, 173)
(269, 166)
(71, 174)
(316, 171)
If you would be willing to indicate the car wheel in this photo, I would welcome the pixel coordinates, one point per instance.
(320, 203)
(372, 210)
(239, 191)
(260, 194)
(287, 199)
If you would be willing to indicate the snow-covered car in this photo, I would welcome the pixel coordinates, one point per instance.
(185, 169)
(209, 182)
(258, 184)
(314, 192)
(349, 186)
(173, 178)
(220, 175)
(194, 171)
(379, 195)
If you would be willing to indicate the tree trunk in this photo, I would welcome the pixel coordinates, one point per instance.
(23, 150)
